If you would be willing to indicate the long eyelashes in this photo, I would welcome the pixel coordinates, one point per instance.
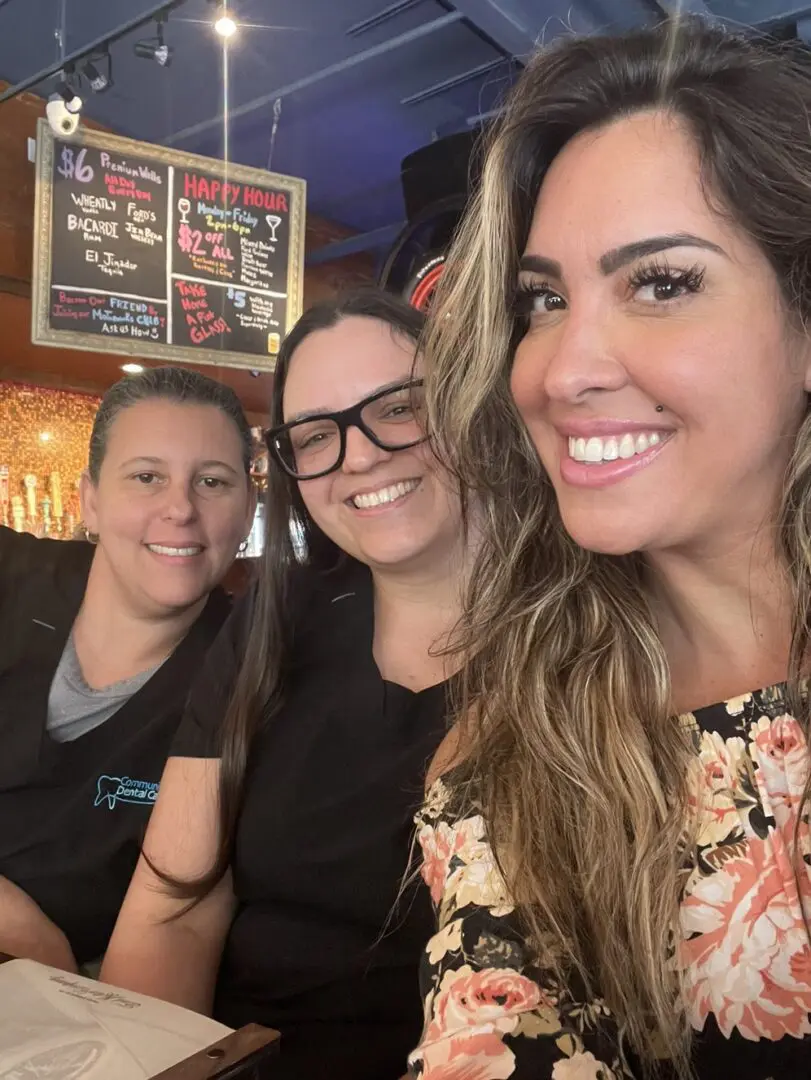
(522, 301)
(659, 274)
(690, 279)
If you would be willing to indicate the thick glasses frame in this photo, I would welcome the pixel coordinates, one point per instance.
(344, 419)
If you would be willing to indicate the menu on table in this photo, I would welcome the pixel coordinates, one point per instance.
(151, 252)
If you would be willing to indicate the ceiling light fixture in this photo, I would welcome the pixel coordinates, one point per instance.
(64, 105)
(132, 369)
(73, 103)
(224, 24)
(155, 48)
(99, 80)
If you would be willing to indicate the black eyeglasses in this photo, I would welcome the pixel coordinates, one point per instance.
(392, 419)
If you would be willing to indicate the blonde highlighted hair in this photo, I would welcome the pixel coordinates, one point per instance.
(575, 757)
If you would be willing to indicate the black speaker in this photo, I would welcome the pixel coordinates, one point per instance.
(437, 171)
(437, 181)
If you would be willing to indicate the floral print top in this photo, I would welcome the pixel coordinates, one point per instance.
(489, 1015)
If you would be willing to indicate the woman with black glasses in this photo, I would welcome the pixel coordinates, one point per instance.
(284, 818)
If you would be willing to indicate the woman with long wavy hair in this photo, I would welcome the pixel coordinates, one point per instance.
(617, 836)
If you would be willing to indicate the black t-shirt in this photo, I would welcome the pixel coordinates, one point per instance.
(72, 815)
(320, 947)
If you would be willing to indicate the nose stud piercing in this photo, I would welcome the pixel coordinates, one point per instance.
(660, 408)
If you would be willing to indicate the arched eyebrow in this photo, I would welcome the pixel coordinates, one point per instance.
(313, 414)
(618, 257)
(134, 463)
(621, 256)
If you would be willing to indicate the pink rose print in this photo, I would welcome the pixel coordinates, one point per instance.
(472, 1012)
(747, 956)
(439, 845)
(479, 1055)
(718, 784)
(492, 996)
(781, 755)
(464, 838)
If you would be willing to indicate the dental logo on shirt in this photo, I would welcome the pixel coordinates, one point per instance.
(123, 789)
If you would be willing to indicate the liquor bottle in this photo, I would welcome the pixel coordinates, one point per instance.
(30, 484)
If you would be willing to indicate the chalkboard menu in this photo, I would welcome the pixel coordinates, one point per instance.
(155, 253)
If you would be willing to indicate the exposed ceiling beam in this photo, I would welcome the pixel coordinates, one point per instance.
(382, 17)
(621, 15)
(784, 16)
(453, 81)
(421, 31)
(765, 14)
(92, 47)
(482, 118)
(686, 7)
(503, 22)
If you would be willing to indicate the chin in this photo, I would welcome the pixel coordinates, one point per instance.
(603, 539)
(176, 599)
(391, 555)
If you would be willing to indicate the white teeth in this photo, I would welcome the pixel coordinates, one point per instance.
(385, 495)
(178, 552)
(627, 446)
(595, 450)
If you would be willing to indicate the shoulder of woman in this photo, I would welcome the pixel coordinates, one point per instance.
(310, 589)
(449, 755)
(22, 553)
(306, 596)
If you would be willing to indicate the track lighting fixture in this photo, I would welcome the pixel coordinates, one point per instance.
(71, 100)
(99, 79)
(64, 106)
(155, 48)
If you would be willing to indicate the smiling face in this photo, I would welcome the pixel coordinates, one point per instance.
(389, 509)
(171, 506)
(658, 377)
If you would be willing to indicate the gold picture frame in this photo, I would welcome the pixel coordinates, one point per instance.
(42, 333)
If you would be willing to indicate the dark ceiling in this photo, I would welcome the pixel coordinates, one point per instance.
(356, 84)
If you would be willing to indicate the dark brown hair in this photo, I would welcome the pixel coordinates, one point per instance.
(174, 384)
(258, 691)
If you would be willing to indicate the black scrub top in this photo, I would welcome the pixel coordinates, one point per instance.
(320, 947)
(72, 815)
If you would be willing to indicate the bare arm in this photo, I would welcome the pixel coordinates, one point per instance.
(175, 960)
(27, 932)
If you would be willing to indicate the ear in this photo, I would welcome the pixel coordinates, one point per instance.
(88, 497)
